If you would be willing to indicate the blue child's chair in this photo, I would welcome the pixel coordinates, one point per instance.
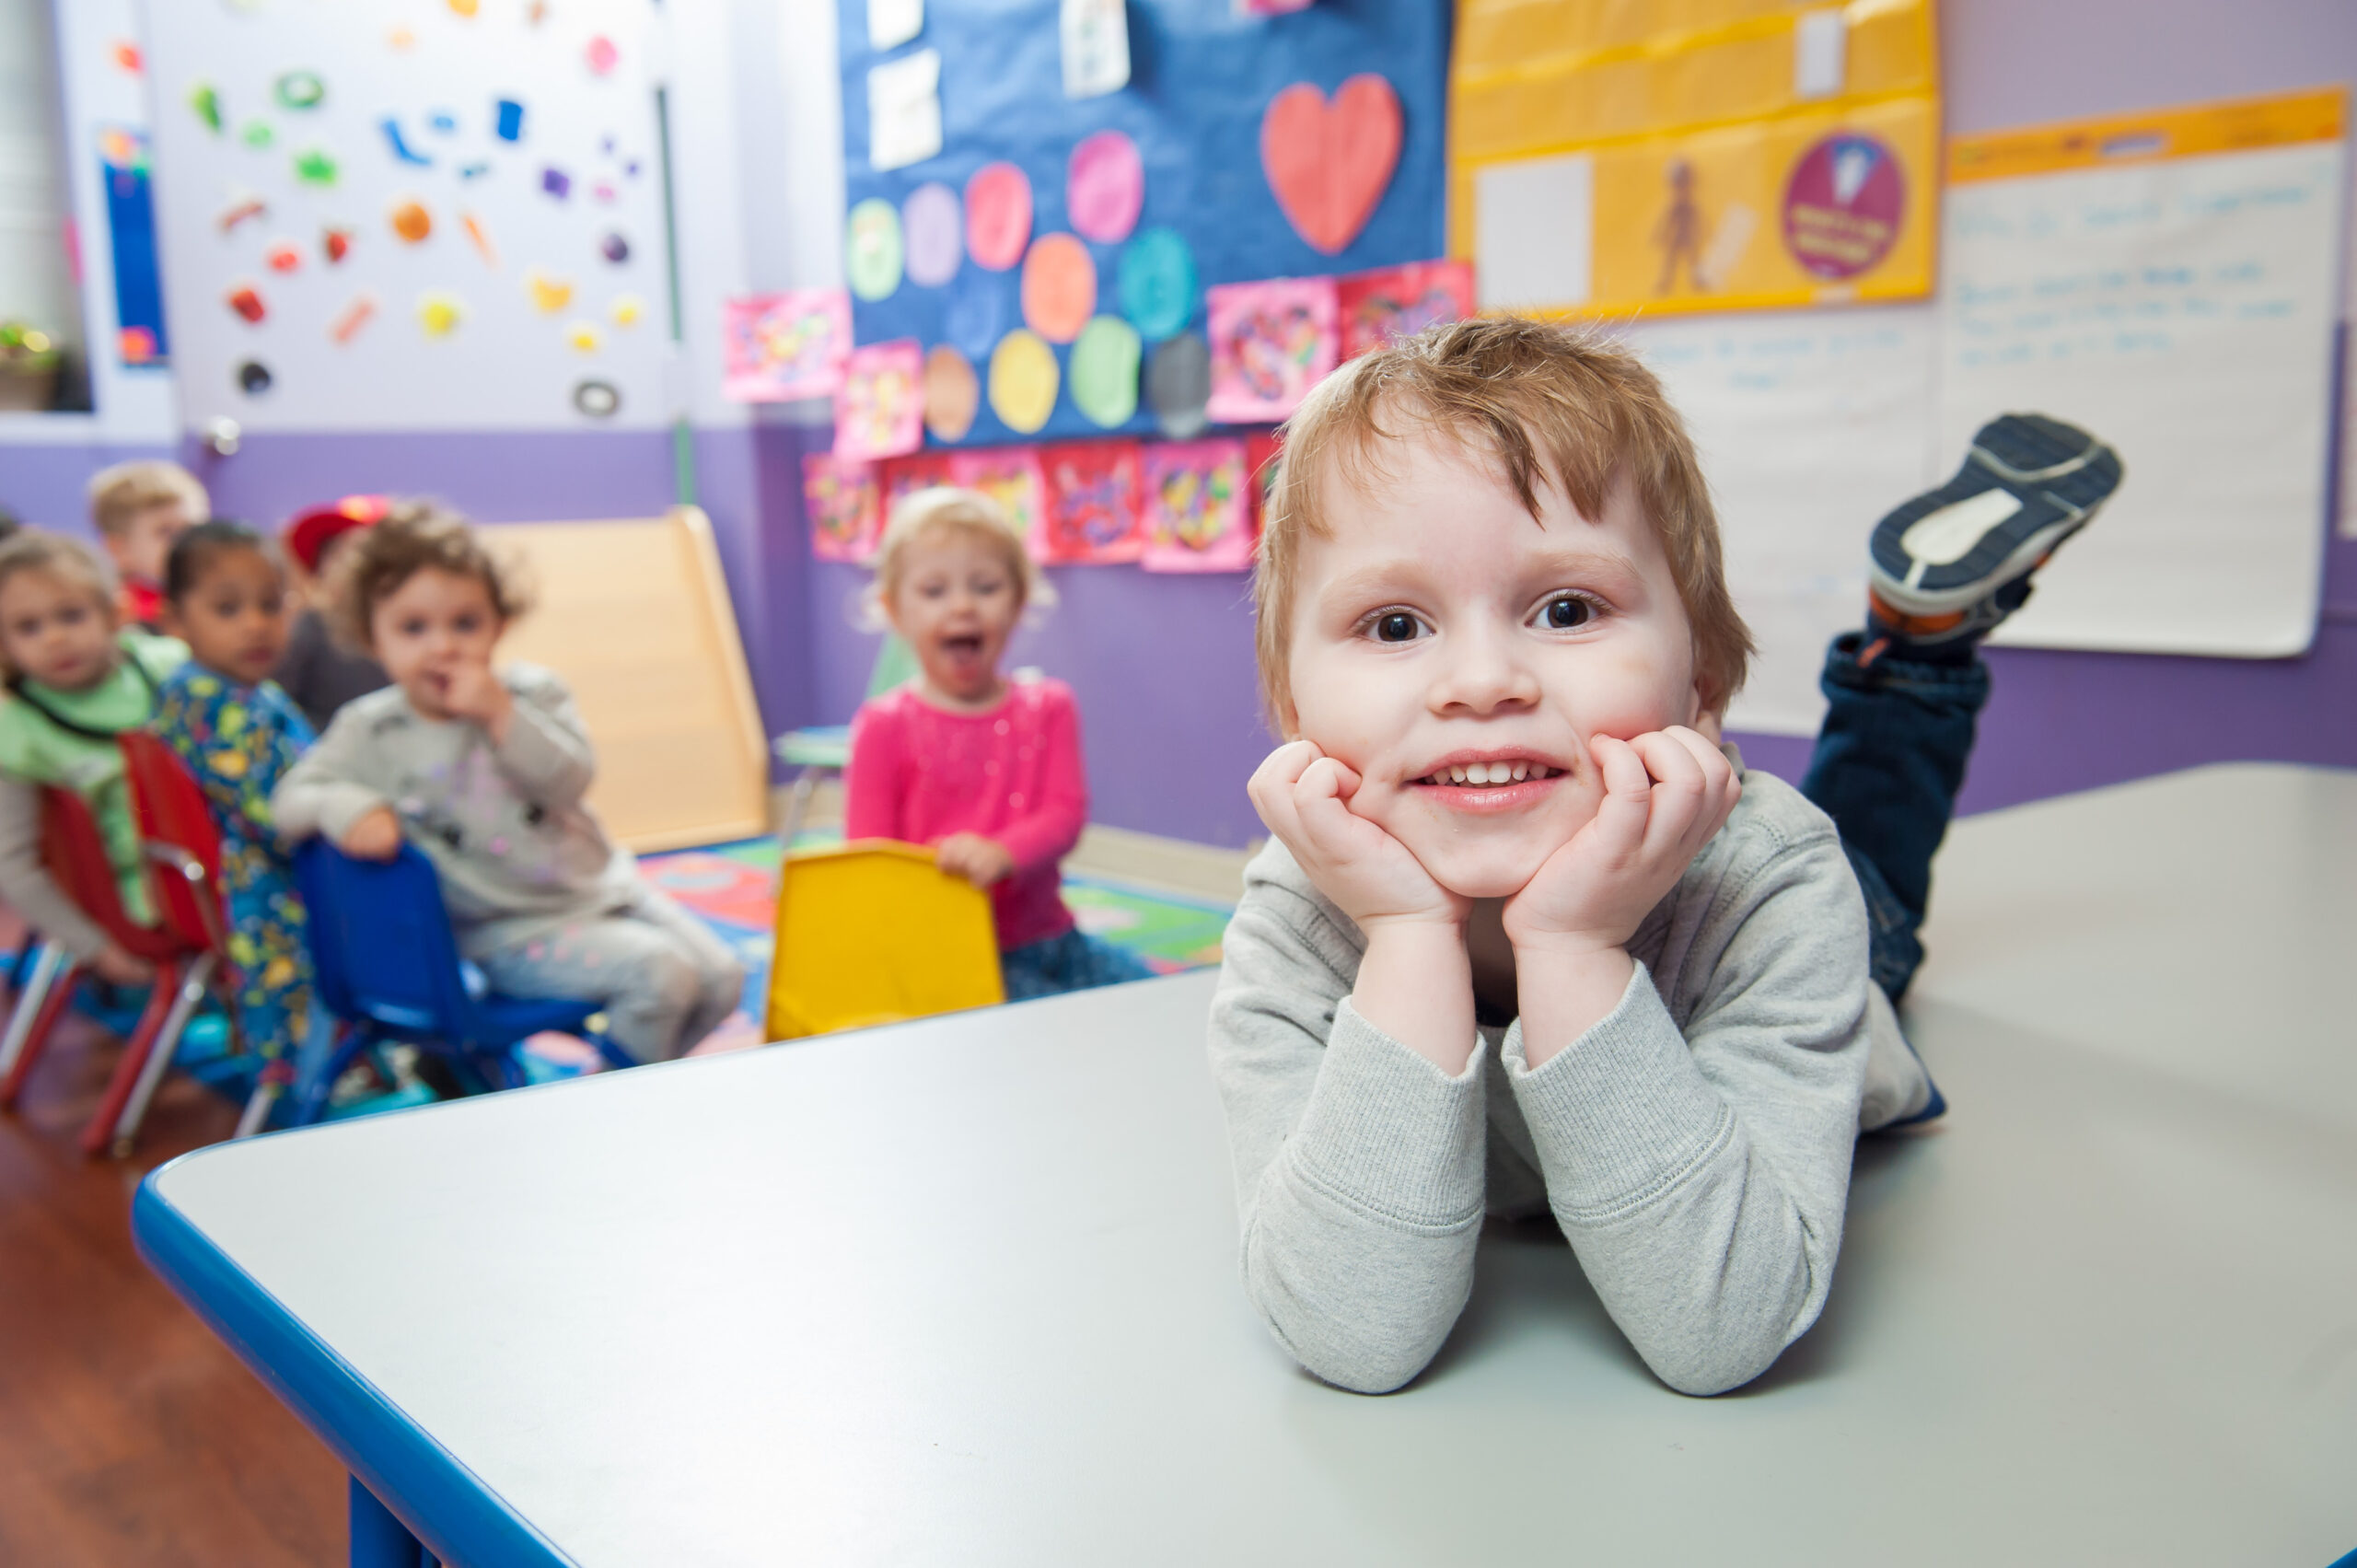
(388, 968)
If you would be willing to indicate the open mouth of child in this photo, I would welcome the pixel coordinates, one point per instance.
(1489, 784)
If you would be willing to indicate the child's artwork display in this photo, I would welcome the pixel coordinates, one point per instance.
(779, 347)
(1062, 245)
(388, 216)
(844, 503)
(1012, 477)
(1096, 504)
(1390, 303)
(879, 408)
(1198, 511)
(901, 478)
(1270, 342)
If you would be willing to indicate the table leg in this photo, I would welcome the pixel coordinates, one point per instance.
(378, 1539)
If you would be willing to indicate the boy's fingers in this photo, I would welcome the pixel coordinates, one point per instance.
(1620, 816)
(1680, 791)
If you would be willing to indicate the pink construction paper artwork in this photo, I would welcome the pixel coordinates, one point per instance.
(998, 215)
(1330, 162)
(1105, 187)
(1012, 477)
(879, 409)
(1198, 514)
(1270, 342)
(1094, 514)
(777, 347)
(844, 507)
(903, 477)
(1385, 305)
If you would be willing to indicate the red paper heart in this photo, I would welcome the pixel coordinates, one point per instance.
(1330, 163)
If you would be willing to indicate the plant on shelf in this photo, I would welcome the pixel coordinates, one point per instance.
(28, 365)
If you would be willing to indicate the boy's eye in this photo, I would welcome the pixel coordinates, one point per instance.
(1396, 626)
(1566, 613)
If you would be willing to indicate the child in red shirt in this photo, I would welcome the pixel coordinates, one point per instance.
(986, 770)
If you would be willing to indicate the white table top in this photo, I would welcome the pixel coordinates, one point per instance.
(965, 1291)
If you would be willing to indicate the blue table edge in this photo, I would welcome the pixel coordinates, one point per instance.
(444, 1504)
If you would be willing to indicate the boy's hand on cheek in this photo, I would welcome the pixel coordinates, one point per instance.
(1304, 796)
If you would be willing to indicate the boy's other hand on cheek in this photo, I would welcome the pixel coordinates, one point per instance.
(1665, 795)
(376, 836)
(475, 692)
(979, 860)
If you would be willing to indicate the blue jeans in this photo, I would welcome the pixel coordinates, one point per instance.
(1889, 763)
(1072, 961)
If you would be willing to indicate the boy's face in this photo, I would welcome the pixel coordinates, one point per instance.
(141, 545)
(434, 624)
(55, 630)
(1441, 627)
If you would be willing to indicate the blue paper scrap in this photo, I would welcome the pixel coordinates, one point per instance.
(402, 150)
(510, 125)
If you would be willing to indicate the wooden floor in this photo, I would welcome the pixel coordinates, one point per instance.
(128, 1434)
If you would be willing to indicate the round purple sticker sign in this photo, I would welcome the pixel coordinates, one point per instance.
(1842, 205)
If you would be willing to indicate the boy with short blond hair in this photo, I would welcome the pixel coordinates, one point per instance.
(1526, 933)
(139, 508)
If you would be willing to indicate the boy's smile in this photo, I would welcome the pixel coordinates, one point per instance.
(1444, 643)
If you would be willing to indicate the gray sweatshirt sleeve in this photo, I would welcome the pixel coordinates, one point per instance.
(1358, 1163)
(26, 883)
(322, 792)
(1701, 1175)
(546, 753)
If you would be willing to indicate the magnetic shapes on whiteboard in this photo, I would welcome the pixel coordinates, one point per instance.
(259, 135)
(952, 393)
(204, 102)
(600, 55)
(127, 56)
(1178, 385)
(1105, 187)
(253, 378)
(356, 313)
(549, 292)
(403, 151)
(508, 123)
(1105, 371)
(283, 256)
(136, 345)
(335, 243)
(1059, 287)
(242, 205)
(933, 231)
(587, 337)
(465, 8)
(1155, 281)
(1328, 163)
(439, 313)
(556, 183)
(598, 400)
(606, 191)
(299, 89)
(442, 123)
(411, 223)
(316, 165)
(614, 248)
(873, 251)
(626, 310)
(473, 171)
(1023, 381)
(998, 215)
(244, 301)
(479, 237)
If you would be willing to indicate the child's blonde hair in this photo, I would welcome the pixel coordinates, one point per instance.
(120, 493)
(67, 559)
(412, 536)
(945, 509)
(1550, 405)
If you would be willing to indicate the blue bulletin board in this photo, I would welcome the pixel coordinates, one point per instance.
(1202, 77)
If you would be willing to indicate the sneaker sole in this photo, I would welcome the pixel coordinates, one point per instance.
(2057, 478)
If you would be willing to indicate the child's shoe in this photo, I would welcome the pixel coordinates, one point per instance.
(1955, 561)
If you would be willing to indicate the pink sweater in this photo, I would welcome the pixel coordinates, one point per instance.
(1014, 774)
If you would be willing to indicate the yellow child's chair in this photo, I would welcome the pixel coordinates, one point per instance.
(873, 933)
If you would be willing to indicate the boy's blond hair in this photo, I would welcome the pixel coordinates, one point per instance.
(122, 493)
(948, 509)
(69, 559)
(1550, 405)
(414, 536)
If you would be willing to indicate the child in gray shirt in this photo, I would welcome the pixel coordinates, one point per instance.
(1526, 933)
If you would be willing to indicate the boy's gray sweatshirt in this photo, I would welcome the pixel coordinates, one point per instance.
(518, 853)
(1694, 1145)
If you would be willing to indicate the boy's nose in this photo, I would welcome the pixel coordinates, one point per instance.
(1480, 674)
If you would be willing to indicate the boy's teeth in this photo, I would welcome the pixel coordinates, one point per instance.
(1490, 774)
(1521, 772)
(1457, 775)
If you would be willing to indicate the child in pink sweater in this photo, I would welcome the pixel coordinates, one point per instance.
(986, 770)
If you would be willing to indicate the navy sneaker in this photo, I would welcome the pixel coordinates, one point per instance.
(1955, 561)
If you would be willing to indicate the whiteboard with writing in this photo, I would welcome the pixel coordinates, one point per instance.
(2183, 309)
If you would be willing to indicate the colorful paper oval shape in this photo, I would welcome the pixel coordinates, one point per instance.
(1105, 371)
(873, 255)
(1105, 187)
(411, 222)
(1023, 381)
(1156, 281)
(439, 314)
(934, 228)
(998, 215)
(1178, 385)
(1059, 287)
(952, 394)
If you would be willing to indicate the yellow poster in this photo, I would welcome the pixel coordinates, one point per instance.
(1612, 157)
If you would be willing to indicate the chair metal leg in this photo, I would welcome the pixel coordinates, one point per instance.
(98, 1135)
(160, 1056)
(61, 994)
(379, 1538)
(30, 997)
